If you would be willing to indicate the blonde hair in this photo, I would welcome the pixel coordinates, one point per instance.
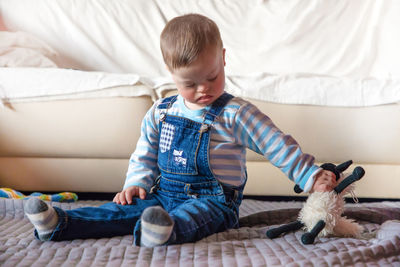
(185, 37)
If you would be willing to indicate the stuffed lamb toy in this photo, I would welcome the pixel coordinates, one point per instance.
(321, 215)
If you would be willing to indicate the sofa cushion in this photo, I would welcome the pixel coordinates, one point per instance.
(92, 128)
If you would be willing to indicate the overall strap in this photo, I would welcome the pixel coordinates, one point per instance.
(217, 107)
(167, 102)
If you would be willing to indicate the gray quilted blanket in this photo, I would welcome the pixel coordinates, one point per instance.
(246, 246)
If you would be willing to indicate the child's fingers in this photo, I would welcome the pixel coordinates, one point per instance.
(130, 193)
(119, 198)
(122, 200)
(126, 196)
(324, 188)
(333, 177)
(116, 198)
(142, 193)
(329, 177)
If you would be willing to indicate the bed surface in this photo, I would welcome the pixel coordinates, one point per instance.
(246, 246)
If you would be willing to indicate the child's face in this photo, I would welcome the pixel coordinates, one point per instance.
(203, 81)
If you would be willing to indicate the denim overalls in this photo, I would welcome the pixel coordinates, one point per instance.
(186, 189)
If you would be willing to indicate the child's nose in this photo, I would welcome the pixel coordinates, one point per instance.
(202, 88)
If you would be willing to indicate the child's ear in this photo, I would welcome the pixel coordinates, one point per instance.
(223, 55)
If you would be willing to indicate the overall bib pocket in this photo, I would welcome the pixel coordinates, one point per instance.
(178, 149)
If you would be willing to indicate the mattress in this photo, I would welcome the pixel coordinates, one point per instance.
(246, 246)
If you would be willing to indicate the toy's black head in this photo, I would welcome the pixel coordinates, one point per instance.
(331, 167)
(337, 170)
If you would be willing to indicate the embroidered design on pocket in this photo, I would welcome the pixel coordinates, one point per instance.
(167, 134)
(178, 158)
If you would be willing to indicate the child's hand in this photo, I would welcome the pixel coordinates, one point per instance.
(125, 196)
(325, 181)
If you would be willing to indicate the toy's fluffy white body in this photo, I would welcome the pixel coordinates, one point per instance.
(329, 207)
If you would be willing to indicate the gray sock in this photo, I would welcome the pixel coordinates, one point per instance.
(156, 227)
(43, 217)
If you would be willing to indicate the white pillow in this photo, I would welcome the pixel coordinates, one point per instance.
(21, 49)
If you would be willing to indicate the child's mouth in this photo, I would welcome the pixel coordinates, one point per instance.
(205, 98)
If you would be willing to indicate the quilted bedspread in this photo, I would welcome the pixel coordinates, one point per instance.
(246, 246)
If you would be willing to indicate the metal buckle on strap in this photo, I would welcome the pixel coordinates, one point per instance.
(204, 128)
(153, 189)
(235, 195)
(232, 193)
(156, 185)
(162, 116)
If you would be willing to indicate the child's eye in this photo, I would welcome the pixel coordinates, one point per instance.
(190, 85)
(213, 79)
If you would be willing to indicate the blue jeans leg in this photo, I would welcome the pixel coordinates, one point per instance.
(199, 218)
(107, 220)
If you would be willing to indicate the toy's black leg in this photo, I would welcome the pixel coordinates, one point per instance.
(293, 226)
(357, 174)
(309, 237)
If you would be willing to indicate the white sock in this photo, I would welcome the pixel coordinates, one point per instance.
(156, 227)
(43, 217)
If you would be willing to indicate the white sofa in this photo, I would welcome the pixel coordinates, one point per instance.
(81, 141)
(84, 145)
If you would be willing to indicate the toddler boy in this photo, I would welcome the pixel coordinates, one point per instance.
(186, 177)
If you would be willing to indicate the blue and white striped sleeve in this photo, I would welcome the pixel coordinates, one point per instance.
(256, 131)
(143, 169)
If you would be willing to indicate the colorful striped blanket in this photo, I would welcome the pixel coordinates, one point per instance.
(59, 197)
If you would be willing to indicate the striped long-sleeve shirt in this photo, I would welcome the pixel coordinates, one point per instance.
(240, 125)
